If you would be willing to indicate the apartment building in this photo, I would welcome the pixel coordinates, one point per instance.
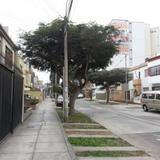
(141, 57)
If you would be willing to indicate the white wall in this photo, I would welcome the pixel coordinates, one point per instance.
(154, 79)
(155, 41)
(147, 41)
(139, 41)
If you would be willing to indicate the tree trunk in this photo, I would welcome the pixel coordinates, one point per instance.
(90, 94)
(107, 91)
(72, 100)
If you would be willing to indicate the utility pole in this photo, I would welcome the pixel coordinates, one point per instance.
(65, 74)
(126, 80)
(55, 83)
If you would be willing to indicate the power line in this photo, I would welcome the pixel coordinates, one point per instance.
(45, 10)
(51, 8)
(119, 62)
(69, 4)
(73, 9)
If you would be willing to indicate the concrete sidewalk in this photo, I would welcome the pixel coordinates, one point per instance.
(40, 137)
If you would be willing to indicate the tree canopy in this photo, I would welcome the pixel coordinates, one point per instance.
(90, 48)
(107, 78)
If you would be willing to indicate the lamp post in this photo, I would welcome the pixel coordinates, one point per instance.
(126, 80)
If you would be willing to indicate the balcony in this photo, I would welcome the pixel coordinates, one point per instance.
(137, 82)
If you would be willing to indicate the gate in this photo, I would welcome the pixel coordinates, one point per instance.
(17, 99)
(11, 92)
(6, 79)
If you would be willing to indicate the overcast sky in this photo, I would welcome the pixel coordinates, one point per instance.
(24, 15)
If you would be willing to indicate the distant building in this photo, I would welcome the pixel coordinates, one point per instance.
(155, 41)
(134, 42)
(142, 48)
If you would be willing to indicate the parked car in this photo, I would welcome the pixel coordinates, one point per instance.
(80, 95)
(150, 100)
(59, 101)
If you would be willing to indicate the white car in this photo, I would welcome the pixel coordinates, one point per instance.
(80, 95)
(59, 101)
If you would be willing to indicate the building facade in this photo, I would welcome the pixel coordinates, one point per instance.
(142, 58)
(7, 49)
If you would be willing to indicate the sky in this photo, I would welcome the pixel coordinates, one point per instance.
(25, 15)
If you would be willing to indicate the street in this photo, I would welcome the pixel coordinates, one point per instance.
(130, 122)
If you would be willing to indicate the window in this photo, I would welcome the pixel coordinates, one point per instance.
(144, 95)
(139, 75)
(8, 57)
(154, 71)
(146, 72)
(151, 96)
(158, 96)
(146, 89)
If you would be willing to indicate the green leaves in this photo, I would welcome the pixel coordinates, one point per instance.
(107, 78)
(90, 47)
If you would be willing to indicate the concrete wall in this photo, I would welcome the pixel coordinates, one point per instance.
(155, 41)
(139, 41)
(5, 44)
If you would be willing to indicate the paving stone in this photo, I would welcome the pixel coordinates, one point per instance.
(51, 147)
(96, 130)
(25, 132)
(16, 156)
(21, 139)
(117, 158)
(50, 138)
(89, 124)
(51, 156)
(50, 132)
(92, 136)
(17, 148)
(79, 149)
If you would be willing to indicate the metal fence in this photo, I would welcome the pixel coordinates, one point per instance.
(11, 95)
(6, 77)
(17, 99)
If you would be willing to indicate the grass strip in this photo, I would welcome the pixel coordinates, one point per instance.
(77, 117)
(85, 141)
(111, 153)
(82, 126)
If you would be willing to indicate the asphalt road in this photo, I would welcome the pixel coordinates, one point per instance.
(130, 122)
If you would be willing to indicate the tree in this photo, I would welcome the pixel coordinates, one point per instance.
(108, 78)
(90, 47)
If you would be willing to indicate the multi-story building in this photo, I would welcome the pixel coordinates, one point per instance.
(155, 41)
(134, 42)
(143, 56)
(148, 71)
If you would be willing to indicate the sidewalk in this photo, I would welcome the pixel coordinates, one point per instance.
(40, 137)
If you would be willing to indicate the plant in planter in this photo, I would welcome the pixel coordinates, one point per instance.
(33, 102)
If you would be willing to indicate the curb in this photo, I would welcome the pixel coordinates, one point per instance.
(69, 147)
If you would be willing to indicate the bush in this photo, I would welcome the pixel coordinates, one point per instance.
(34, 101)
